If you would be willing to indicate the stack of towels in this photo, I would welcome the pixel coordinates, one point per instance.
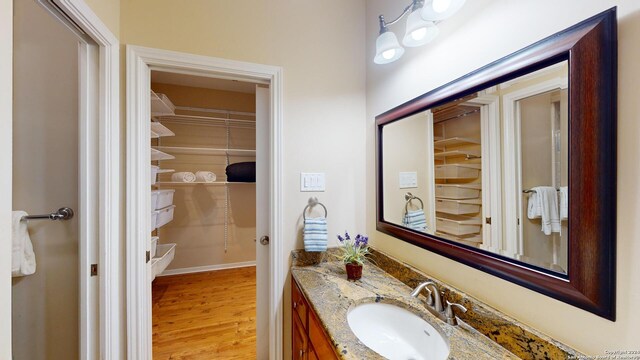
(416, 220)
(315, 234)
(23, 259)
(189, 177)
(543, 204)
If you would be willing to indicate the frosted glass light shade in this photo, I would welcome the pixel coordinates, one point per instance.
(388, 48)
(419, 31)
(436, 10)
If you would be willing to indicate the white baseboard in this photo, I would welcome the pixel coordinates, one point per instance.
(198, 269)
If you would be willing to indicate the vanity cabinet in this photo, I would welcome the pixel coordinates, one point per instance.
(308, 338)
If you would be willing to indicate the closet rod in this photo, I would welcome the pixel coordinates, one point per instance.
(211, 110)
(204, 118)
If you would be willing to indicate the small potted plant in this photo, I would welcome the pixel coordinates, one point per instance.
(353, 254)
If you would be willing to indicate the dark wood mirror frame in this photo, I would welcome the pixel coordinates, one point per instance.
(591, 48)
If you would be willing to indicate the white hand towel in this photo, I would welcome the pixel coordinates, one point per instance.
(564, 203)
(183, 176)
(205, 176)
(23, 260)
(534, 211)
(547, 202)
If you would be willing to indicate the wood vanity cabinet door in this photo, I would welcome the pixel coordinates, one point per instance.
(312, 353)
(319, 340)
(299, 340)
(298, 303)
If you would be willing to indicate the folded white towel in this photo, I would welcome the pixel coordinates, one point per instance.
(564, 203)
(205, 176)
(183, 176)
(23, 260)
(543, 203)
(315, 234)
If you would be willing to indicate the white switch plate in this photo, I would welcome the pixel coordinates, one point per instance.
(311, 182)
(408, 180)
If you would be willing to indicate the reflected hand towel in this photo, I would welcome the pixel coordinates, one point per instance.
(416, 220)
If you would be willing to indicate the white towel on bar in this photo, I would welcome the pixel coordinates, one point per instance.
(183, 176)
(23, 259)
(543, 204)
(205, 176)
(564, 203)
(416, 220)
(315, 234)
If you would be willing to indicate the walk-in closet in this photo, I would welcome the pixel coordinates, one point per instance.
(203, 197)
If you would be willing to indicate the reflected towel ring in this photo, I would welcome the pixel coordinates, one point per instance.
(409, 196)
(313, 202)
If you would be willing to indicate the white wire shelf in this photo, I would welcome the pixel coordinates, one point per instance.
(208, 121)
(179, 150)
(215, 183)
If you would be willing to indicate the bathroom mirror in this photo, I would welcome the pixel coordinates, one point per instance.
(511, 169)
(445, 174)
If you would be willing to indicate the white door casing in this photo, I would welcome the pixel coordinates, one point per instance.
(140, 62)
(263, 97)
(100, 176)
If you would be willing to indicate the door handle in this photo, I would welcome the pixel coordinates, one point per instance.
(264, 240)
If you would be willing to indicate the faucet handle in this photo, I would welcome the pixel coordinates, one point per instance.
(451, 316)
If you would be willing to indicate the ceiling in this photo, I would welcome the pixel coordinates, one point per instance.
(202, 82)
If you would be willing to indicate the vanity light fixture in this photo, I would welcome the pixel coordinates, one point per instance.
(420, 27)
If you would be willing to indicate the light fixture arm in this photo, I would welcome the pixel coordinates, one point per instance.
(414, 4)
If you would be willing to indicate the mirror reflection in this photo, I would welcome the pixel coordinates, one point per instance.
(489, 170)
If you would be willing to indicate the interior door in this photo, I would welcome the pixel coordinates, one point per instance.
(263, 212)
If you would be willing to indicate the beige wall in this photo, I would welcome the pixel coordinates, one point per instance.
(45, 177)
(483, 32)
(320, 46)
(198, 225)
(109, 12)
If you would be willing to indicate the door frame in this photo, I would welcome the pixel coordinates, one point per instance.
(102, 179)
(140, 62)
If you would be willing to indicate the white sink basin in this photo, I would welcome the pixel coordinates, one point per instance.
(396, 333)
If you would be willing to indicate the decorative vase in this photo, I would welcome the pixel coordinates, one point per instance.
(354, 271)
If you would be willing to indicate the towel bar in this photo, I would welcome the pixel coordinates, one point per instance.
(409, 196)
(529, 191)
(64, 213)
(313, 201)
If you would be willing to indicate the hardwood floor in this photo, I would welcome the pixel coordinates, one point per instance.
(205, 316)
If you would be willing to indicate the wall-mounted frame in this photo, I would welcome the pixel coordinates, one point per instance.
(591, 50)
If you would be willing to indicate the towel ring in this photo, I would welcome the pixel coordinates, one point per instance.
(409, 196)
(313, 202)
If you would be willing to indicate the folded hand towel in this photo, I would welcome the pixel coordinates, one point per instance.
(543, 203)
(205, 176)
(564, 202)
(183, 176)
(416, 220)
(23, 260)
(315, 234)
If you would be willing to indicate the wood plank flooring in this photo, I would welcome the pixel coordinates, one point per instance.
(205, 316)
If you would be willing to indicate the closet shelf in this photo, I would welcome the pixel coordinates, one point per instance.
(473, 240)
(161, 105)
(215, 183)
(206, 151)
(208, 121)
(456, 153)
(157, 155)
(457, 171)
(454, 141)
(164, 256)
(458, 225)
(458, 207)
(458, 191)
(160, 130)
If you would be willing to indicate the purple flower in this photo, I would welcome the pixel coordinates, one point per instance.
(346, 236)
(340, 238)
(361, 240)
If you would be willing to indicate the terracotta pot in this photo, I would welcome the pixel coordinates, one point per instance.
(354, 271)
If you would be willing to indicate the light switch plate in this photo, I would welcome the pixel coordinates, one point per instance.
(408, 180)
(311, 182)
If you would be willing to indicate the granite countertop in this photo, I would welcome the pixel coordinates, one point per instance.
(331, 295)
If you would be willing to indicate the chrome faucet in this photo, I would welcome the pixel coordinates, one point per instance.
(433, 296)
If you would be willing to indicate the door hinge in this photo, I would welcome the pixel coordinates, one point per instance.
(488, 220)
(94, 270)
(148, 256)
(518, 221)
